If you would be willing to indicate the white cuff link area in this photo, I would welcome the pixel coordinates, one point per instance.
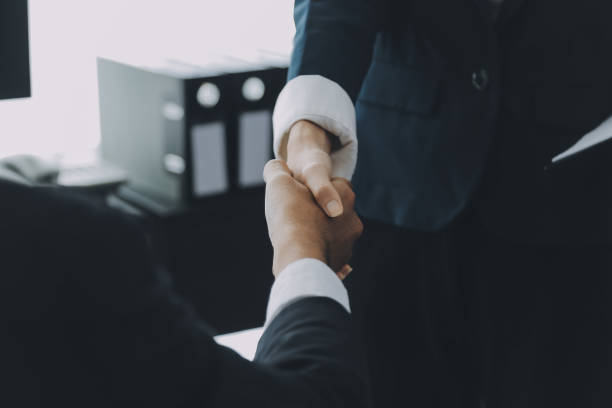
(302, 279)
(324, 102)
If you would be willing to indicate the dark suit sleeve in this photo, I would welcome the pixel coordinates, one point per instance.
(307, 357)
(335, 39)
(102, 326)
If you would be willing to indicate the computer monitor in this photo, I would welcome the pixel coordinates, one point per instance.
(14, 50)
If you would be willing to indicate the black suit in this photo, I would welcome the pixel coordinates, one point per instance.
(88, 321)
(496, 288)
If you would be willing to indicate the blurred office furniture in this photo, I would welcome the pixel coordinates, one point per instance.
(193, 140)
(189, 142)
(29, 169)
(94, 174)
(184, 132)
(14, 47)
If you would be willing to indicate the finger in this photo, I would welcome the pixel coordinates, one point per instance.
(316, 177)
(344, 272)
(345, 190)
(346, 183)
(275, 168)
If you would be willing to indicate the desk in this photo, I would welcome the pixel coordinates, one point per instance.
(243, 342)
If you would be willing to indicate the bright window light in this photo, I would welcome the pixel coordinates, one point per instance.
(66, 36)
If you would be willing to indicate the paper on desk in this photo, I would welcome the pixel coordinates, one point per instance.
(596, 136)
(243, 342)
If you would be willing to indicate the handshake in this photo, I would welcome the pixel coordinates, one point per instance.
(309, 214)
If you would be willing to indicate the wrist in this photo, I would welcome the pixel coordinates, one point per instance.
(292, 250)
(308, 135)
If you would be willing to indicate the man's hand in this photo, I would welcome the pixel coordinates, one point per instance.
(299, 229)
(308, 149)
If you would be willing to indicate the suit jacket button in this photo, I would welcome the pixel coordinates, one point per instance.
(480, 79)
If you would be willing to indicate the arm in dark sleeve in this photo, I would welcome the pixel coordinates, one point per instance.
(307, 357)
(315, 337)
(135, 342)
(335, 39)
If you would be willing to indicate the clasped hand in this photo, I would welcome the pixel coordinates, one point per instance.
(298, 227)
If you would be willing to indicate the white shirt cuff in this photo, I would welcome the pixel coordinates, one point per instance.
(301, 279)
(324, 102)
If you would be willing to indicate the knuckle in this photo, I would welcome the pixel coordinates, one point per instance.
(275, 168)
(344, 189)
(358, 226)
(350, 196)
(271, 165)
(279, 179)
(341, 188)
(274, 162)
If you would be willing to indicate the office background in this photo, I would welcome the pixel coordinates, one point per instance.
(66, 36)
(214, 245)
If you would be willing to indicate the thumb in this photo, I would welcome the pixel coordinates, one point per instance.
(317, 177)
(308, 157)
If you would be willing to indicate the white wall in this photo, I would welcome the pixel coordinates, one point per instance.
(67, 35)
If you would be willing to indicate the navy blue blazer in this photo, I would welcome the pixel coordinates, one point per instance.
(456, 109)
